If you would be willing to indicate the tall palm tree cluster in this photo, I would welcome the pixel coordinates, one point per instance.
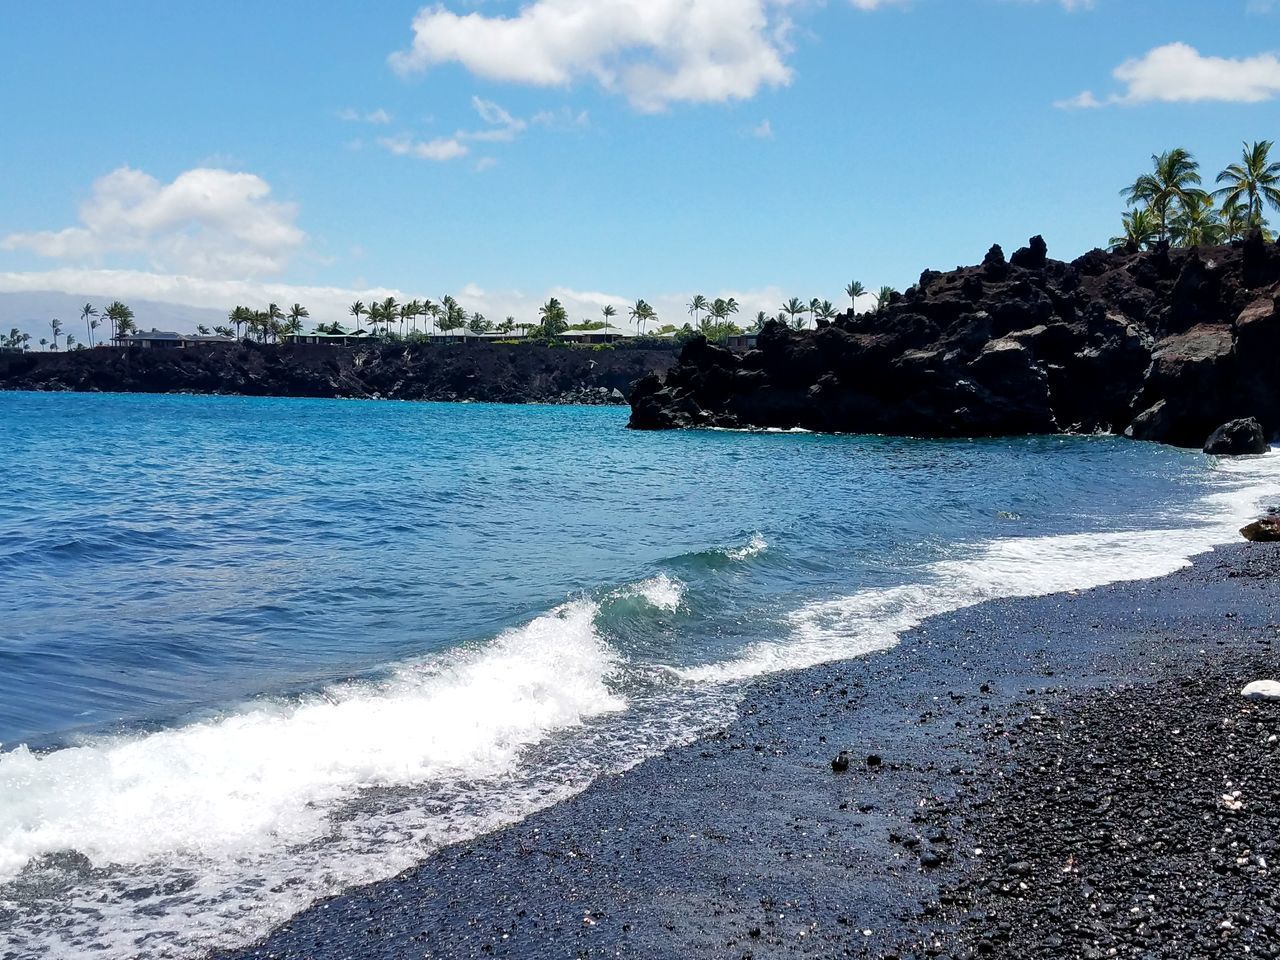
(266, 326)
(388, 318)
(1169, 203)
(119, 316)
(794, 312)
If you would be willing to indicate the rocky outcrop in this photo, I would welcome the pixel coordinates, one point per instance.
(1238, 438)
(492, 372)
(1266, 530)
(1163, 345)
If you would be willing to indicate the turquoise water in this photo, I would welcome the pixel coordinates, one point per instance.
(253, 651)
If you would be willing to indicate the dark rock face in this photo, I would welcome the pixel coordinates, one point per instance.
(490, 372)
(1163, 345)
(1238, 438)
(1266, 530)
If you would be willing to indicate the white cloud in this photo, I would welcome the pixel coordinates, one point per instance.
(1178, 73)
(378, 116)
(654, 52)
(762, 130)
(440, 148)
(206, 223)
(329, 303)
(501, 127)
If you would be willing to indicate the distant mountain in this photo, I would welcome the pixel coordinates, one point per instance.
(31, 313)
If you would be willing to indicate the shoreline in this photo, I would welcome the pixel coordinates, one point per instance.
(483, 372)
(744, 843)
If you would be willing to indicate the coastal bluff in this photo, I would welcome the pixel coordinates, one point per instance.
(483, 372)
(1164, 345)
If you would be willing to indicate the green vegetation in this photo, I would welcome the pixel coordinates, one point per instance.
(1169, 203)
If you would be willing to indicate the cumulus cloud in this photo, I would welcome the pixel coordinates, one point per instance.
(1179, 73)
(654, 52)
(206, 223)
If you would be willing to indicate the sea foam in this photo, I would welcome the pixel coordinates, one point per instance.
(255, 792)
(871, 620)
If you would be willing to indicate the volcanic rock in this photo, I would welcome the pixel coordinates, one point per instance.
(1266, 530)
(1163, 345)
(1238, 438)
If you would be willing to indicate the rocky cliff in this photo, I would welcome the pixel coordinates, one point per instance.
(495, 372)
(1163, 345)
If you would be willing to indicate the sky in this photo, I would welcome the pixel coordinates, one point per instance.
(595, 150)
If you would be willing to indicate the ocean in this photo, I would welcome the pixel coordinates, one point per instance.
(256, 651)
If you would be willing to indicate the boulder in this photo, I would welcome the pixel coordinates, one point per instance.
(1262, 690)
(1238, 438)
(1266, 530)
(1034, 256)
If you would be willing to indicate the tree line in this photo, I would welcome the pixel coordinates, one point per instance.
(1170, 204)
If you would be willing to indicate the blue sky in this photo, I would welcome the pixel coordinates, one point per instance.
(601, 151)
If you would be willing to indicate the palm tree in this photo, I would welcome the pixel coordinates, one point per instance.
(855, 290)
(761, 319)
(697, 306)
(297, 313)
(413, 310)
(1255, 179)
(641, 313)
(794, 308)
(202, 330)
(121, 318)
(240, 317)
(1140, 230)
(884, 296)
(44, 341)
(1235, 220)
(814, 305)
(718, 311)
(1173, 182)
(225, 331)
(430, 309)
(609, 311)
(358, 310)
(826, 311)
(87, 313)
(71, 341)
(389, 310)
(56, 324)
(93, 325)
(271, 318)
(555, 318)
(1197, 224)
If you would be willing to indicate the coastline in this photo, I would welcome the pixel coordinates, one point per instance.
(745, 843)
(483, 372)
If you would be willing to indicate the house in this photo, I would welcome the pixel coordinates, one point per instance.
(605, 334)
(168, 340)
(317, 337)
(465, 335)
(742, 341)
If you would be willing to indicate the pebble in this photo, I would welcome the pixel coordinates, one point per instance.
(1262, 690)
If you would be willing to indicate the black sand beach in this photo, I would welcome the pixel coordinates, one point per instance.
(1067, 776)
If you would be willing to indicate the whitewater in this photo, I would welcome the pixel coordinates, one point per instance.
(398, 722)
